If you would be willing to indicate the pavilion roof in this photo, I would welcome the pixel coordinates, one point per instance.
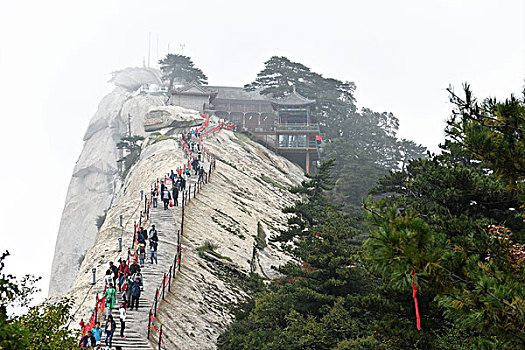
(194, 89)
(238, 94)
(294, 99)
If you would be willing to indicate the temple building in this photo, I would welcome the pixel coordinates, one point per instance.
(193, 96)
(296, 135)
(285, 125)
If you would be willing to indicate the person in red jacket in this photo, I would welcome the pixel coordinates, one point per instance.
(122, 270)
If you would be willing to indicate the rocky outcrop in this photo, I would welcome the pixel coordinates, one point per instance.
(133, 78)
(95, 176)
(240, 206)
(161, 117)
(235, 213)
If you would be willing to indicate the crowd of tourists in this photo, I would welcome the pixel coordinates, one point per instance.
(128, 278)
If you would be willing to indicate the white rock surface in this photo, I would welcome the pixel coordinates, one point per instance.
(95, 176)
(133, 78)
(160, 117)
(226, 213)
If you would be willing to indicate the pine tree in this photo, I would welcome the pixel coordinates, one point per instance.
(175, 66)
(364, 144)
(449, 219)
(132, 144)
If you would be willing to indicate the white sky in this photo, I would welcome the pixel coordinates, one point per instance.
(56, 58)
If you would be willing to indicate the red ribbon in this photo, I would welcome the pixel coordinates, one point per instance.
(414, 295)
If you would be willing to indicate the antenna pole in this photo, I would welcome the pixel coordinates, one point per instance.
(149, 48)
(129, 125)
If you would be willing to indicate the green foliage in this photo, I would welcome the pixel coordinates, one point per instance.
(363, 143)
(334, 98)
(260, 240)
(209, 248)
(81, 259)
(131, 144)
(159, 138)
(226, 162)
(181, 67)
(269, 180)
(325, 299)
(46, 325)
(491, 131)
(43, 327)
(439, 219)
(100, 220)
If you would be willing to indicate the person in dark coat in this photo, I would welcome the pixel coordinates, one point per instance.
(195, 165)
(182, 183)
(142, 235)
(136, 289)
(153, 243)
(111, 325)
(153, 232)
(87, 341)
(134, 268)
(114, 271)
(154, 196)
(175, 191)
(201, 174)
(166, 197)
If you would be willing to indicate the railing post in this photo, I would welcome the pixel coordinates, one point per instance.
(141, 195)
(180, 256)
(120, 218)
(163, 285)
(149, 322)
(134, 234)
(160, 336)
(94, 271)
(140, 218)
(169, 280)
(119, 244)
(156, 299)
(182, 223)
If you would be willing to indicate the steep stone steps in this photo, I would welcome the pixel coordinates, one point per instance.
(167, 222)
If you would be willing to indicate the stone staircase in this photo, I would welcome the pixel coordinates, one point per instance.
(167, 223)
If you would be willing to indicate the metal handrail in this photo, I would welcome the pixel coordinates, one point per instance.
(300, 127)
(309, 144)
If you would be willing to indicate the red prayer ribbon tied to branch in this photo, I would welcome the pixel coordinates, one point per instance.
(414, 295)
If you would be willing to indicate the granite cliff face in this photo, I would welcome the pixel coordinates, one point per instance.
(236, 212)
(95, 177)
(244, 197)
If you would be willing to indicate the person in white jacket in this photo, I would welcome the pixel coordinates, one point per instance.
(122, 312)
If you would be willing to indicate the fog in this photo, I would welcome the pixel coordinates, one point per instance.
(56, 58)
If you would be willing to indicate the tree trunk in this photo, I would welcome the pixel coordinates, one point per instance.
(172, 79)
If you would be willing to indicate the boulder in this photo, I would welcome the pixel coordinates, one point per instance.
(133, 78)
(160, 117)
(96, 179)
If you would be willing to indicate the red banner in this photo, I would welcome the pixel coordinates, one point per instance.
(414, 295)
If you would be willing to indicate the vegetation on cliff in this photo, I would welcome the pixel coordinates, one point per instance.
(42, 327)
(453, 224)
(132, 145)
(364, 143)
(175, 66)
